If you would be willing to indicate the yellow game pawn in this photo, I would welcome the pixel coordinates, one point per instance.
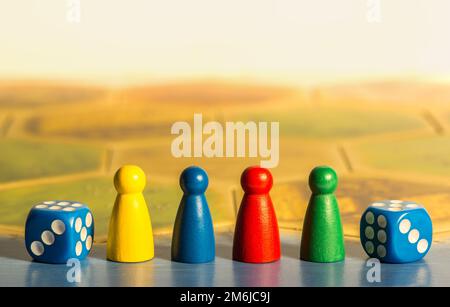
(130, 237)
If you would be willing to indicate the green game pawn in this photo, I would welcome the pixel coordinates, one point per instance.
(322, 237)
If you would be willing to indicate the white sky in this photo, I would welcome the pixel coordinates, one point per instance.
(121, 41)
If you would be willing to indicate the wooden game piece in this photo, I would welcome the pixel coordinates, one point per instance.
(396, 231)
(322, 237)
(193, 233)
(56, 231)
(256, 236)
(130, 236)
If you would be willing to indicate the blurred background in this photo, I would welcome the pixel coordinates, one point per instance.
(297, 41)
(89, 85)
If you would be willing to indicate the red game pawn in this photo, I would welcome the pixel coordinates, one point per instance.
(256, 237)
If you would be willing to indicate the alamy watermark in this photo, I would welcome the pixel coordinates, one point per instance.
(74, 273)
(229, 141)
(374, 13)
(73, 12)
(374, 273)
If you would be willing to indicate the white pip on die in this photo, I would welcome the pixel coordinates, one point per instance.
(57, 231)
(396, 231)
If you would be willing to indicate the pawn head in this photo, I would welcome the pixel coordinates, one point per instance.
(129, 179)
(323, 180)
(194, 180)
(257, 180)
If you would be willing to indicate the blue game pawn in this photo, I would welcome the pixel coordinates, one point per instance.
(193, 233)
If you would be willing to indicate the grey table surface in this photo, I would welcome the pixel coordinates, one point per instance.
(17, 269)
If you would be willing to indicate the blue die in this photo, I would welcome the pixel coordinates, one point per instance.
(396, 231)
(56, 231)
